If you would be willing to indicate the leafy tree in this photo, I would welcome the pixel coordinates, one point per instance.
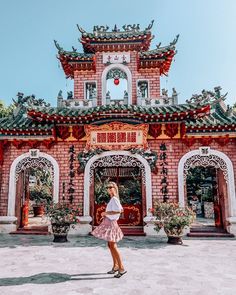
(5, 111)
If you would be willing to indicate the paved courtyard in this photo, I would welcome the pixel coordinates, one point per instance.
(35, 265)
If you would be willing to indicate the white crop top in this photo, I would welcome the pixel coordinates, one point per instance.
(114, 205)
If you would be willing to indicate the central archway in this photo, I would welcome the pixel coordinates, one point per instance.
(140, 161)
(124, 69)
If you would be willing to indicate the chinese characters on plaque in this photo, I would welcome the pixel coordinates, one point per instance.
(117, 135)
(116, 58)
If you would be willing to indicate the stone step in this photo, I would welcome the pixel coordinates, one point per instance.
(32, 230)
(133, 231)
(29, 232)
(210, 235)
(206, 229)
(35, 227)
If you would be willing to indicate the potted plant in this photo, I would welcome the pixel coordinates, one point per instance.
(173, 219)
(40, 197)
(62, 215)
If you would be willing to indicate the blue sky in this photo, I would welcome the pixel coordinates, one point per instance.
(206, 48)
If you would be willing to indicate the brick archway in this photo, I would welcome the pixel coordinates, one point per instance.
(13, 173)
(104, 82)
(218, 160)
(139, 158)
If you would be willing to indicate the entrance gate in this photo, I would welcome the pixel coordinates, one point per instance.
(129, 174)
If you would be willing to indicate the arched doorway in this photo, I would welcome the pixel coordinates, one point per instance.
(133, 175)
(204, 187)
(34, 179)
(116, 77)
(216, 197)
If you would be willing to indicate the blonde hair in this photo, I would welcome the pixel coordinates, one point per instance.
(115, 186)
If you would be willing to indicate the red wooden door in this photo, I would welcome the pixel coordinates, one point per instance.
(22, 199)
(19, 197)
(219, 205)
(129, 181)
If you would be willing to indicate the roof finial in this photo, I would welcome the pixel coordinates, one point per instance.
(150, 25)
(115, 29)
(174, 41)
(58, 46)
(81, 29)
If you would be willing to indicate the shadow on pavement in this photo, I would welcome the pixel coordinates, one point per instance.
(52, 278)
(13, 241)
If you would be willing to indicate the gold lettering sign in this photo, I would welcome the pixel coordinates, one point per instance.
(116, 136)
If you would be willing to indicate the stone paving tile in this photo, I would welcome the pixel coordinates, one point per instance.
(36, 265)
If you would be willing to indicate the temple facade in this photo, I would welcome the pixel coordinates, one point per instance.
(119, 125)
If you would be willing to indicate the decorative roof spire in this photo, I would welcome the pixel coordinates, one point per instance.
(174, 41)
(134, 27)
(115, 29)
(81, 29)
(150, 25)
(100, 29)
(60, 49)
(207, 97)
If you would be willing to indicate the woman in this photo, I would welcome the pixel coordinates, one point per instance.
(109, 229)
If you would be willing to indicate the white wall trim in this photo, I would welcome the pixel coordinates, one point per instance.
(112, 153)
(104, 81)
(12, 181)
(230, 184)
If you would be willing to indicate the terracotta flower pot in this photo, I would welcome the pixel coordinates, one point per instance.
(174, 236)
(38, 210)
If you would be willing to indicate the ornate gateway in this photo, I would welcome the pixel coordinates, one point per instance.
(129, 174)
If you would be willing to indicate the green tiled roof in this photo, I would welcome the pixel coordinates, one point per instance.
(41, 120)
(103, 33)
(74, 53)
(217, 118)
(158, 110)
(22, 123)
(160, 50)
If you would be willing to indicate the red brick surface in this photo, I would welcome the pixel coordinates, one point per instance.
(152, 75)
(175, 150)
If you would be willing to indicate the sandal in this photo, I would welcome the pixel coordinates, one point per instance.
(120, 274)
(111, 272)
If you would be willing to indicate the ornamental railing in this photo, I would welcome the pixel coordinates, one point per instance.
(162, 100)
(76, 103)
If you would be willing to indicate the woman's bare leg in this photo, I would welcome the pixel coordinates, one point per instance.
(117, 256)
(115, 262)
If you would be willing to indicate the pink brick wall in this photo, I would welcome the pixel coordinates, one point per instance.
(60, 153)
(152, 75)
(175, 150)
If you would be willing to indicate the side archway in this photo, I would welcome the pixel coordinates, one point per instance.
(26, 157)
(215, 158)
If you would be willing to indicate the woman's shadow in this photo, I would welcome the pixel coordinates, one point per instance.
(52, 278)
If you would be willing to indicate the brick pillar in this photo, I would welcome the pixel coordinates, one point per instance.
(78, 86)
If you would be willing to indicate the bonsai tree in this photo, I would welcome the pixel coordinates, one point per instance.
(40, 196)
(41, 191)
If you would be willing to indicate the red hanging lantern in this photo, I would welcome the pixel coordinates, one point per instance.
(116, 81)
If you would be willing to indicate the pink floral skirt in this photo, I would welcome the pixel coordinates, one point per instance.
(108, 230)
